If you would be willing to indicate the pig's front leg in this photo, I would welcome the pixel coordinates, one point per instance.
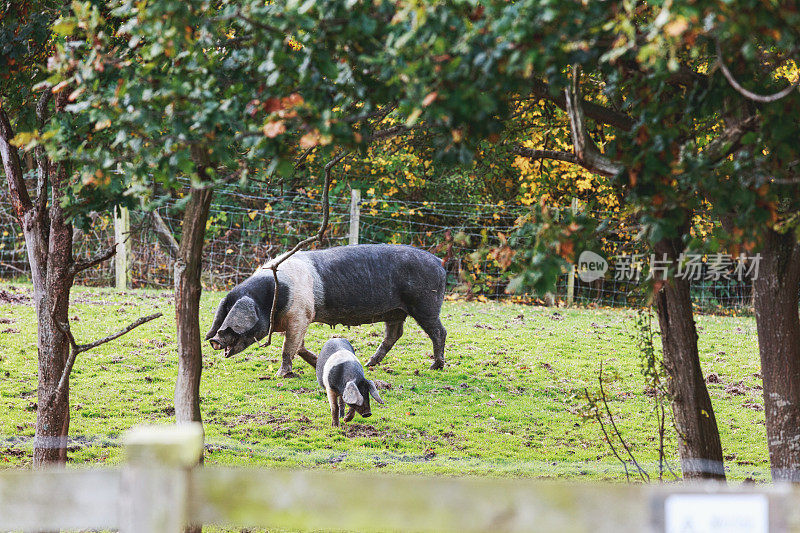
(341, 407)
(291, 344)
(332, 400)
(350, 414)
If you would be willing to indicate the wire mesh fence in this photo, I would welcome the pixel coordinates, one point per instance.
(246, 229)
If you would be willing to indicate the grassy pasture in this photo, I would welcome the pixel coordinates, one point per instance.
(507, 404)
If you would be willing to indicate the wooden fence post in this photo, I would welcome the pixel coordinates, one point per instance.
(155, 487)
(122, 263)
(572, 269)
(355, 214)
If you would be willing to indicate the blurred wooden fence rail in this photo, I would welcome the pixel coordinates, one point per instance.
(159, 489)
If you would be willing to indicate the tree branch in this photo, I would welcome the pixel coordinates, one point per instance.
(387, 133)
(20, 199)
(80, 266)
(594, 111)
(729, 141)
(165, 235)
(42, 161)
(558, 155)
(586, 152)
(764, 99)
(322, 228)
(79, 348)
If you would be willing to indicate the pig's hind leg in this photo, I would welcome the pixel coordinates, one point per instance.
(394, 330)
(307, 355)
(433, 327)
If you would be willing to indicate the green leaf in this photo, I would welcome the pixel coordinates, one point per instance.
(65, 26)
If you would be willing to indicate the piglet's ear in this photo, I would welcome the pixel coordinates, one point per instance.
(351, 394)
(242, 316)
(373, 391)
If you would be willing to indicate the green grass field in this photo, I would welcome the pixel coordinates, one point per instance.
(508, 402)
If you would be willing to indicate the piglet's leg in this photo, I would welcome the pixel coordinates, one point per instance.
(334, 408)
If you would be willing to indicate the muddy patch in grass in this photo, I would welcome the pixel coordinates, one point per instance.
(262, 418)
(363, 430)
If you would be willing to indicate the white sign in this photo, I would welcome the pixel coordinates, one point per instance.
(716, 513)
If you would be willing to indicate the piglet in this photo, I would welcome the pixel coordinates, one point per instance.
(342, 377)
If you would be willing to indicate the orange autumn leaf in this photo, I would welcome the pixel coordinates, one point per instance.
(429, 99)
(273, 129)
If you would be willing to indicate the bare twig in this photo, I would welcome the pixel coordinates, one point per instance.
(12, 267)
(644, 475)
(79, 348)
(599, 418)
(764, 99)
(108, 253)
(323, 227)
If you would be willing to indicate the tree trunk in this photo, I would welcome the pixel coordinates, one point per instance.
(699, 443)
(52, 304)
(187, 306)
(48, 240)
(775, 297)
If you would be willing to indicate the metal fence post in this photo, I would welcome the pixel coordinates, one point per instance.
(122, 263)
(156, 477)
(355, 214)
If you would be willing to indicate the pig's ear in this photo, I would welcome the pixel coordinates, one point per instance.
(218, 319)
(351, 394)
(242, 316)
(373, 391)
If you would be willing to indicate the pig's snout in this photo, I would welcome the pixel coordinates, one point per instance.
(215, 344)
(367, 414)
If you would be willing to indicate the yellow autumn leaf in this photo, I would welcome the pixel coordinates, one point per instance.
(24, 137)
(252, 215)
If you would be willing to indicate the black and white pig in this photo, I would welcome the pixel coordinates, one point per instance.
(350, 285)
(342, 377)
